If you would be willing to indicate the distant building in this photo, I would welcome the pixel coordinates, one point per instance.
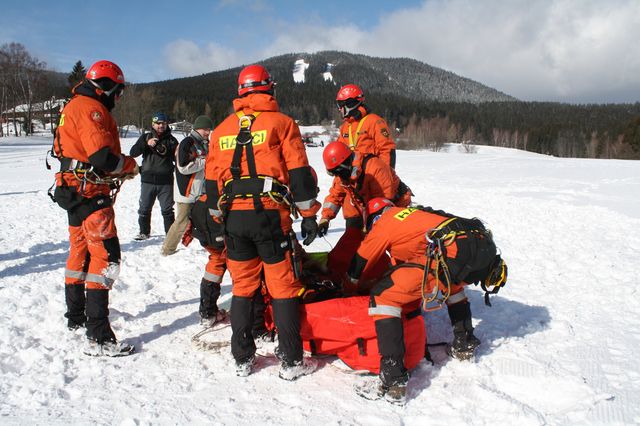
(181, 126)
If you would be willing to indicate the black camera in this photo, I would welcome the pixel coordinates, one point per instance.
(160, 148)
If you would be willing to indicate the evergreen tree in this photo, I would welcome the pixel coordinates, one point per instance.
(77, 74)
(632, 134)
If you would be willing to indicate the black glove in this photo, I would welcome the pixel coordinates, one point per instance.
(323, 227)
(309, 230)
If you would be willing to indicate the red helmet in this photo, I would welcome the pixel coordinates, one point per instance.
(105, 69)
(349, 98)
(334, 154)
(377, 204)
(350, 91)
(254, 78)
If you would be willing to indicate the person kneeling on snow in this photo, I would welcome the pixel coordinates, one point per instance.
(358, 178)
(434, 252)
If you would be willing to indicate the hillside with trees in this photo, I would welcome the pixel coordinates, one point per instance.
(424, 105)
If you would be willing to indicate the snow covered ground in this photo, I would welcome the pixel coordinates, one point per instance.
(560, 344)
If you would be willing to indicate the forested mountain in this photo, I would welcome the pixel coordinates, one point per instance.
(426, 106)
(385, 82)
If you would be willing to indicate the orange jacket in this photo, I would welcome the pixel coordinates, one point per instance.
(369, 135)
(278, 150)
(86, 126)
(401, 232)
(88, 133)
(376, 180)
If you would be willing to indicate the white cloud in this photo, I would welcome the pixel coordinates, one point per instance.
(576, 50)
(564, 50)
(309, 38)
(186, 58)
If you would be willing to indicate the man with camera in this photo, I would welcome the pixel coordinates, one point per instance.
(158, 149)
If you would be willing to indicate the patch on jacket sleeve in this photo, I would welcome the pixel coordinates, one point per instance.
(97, 116)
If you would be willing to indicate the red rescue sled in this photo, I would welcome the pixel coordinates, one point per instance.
(343, 327)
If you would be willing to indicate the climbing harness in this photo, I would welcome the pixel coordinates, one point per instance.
(442, 236)
(353, 139)
(253, 186)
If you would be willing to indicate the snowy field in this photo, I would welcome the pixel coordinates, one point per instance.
(560, 344)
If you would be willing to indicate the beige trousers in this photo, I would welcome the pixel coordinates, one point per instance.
(174, 236)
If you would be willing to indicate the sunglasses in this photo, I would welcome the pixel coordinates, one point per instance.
(349, 103)
(339, 170)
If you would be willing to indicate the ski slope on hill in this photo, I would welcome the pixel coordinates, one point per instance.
(559, 345)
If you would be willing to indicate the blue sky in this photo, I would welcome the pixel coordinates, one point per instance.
(557, 50)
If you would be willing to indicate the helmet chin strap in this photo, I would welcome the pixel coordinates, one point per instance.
(117, 87)
(108, 97)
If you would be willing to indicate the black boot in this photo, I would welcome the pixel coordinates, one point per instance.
(243, 347)
(390, 334)
(393, 374)
(100, 338)
(98, 327)
(464, 342)
(259, 328)
(209, 294)
(286, 316)
(168, 221)
(209, 312)
(75, 298)
(144, 222)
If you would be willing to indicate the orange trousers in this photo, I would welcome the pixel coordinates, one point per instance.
(94, 251)
(401, 292)
(259, 242)
(216, 265)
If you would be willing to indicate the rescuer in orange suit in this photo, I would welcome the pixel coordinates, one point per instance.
(464, 247)
(92, 167)
(368, 134)
(357, 179)
(257, 175)
(362, 130)
(365, 133)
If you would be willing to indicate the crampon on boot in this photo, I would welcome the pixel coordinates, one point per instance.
(220, 316)
(245, 367)
(464, 342)
(374, 390)
(109, 348)
(464, 345)
(293, 370)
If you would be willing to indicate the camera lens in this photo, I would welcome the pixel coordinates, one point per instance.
(161, 149)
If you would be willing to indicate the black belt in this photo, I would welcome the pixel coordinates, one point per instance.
(253, 186)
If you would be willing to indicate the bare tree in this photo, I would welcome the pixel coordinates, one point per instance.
(23, 76)
(180, 110)
(136, 106)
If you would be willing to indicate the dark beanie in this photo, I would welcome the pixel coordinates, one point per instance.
(203, 122)
(159, 117)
